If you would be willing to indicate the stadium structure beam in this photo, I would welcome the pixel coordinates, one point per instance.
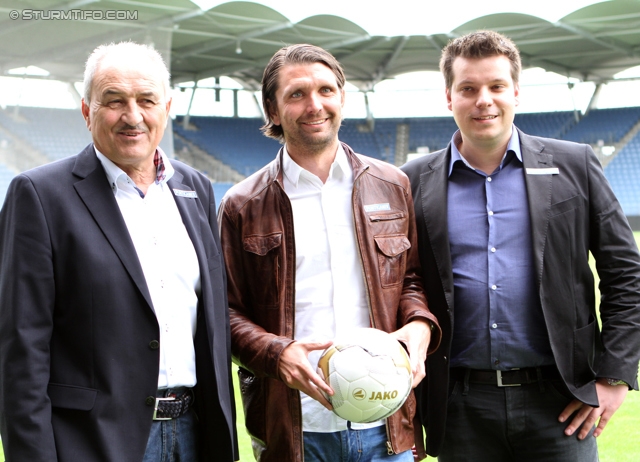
(381, 72)
(73, 91)
(187, 115)
(594, 98)
(346, 42)
(594, 39)
(200, 48)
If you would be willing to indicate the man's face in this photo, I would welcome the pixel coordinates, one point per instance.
(308, 107)
(128, 112)
(483, 98)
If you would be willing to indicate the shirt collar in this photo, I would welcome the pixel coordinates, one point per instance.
(513, 145)
(164, 169)
(339, 168)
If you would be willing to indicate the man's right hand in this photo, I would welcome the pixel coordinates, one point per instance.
(295, 370)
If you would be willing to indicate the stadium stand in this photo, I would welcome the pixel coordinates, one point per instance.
(57, 133)
(238, 142)
(606, 125)
(623, 172)
(6, 174)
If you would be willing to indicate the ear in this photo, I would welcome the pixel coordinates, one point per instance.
(342, 97)
(168, 110)
(516, 89)
(449, 105)
(273, 112)
(85, 113)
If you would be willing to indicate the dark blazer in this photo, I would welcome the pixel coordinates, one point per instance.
(572, 213)
(78, 335)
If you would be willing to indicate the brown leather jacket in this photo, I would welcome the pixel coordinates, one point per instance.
(256, 229)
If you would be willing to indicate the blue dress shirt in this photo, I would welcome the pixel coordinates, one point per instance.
(498, 322)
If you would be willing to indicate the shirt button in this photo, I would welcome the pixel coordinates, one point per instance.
(490, 212)
(494, 325)
(489, 179)
(154, 344)
(493, 249)
(494, 287)
(496, 362)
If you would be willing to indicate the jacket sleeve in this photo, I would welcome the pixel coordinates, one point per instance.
(615, 251)
(252, 346)
(26, 323)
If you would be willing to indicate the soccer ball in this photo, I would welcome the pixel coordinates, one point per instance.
(370, 375)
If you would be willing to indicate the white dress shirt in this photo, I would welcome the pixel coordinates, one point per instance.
(169, 264)
(331, 296)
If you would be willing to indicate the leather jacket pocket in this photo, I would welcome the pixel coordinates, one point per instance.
(391, 258)
(263, 253)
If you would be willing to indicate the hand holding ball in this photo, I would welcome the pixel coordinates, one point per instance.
(370, 375)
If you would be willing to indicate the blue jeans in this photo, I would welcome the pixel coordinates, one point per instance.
(487, 423)
(368, 445)
(174, 440)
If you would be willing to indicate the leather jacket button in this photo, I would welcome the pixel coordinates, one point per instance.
(150, 401)
(154, 344)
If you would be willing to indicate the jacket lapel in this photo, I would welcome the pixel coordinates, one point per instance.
(188, 208)
(433, 189)
(93, 189)
(539, 195)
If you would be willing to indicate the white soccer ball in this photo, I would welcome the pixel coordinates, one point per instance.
(370, 375)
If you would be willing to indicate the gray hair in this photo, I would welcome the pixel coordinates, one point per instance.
(124, 49)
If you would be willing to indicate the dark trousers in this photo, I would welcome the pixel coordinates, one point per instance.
(487, 423)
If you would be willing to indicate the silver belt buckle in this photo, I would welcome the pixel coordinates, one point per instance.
(155, 408)
(500, 384)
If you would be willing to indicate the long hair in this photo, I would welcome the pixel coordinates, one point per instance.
(292, 54)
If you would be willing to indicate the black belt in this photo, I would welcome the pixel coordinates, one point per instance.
(172, 403)
(510, 378)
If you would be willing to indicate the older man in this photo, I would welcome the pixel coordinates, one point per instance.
(114, 341)
(317, 243)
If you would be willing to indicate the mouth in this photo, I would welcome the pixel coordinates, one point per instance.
(487, 117)
(131, 133)
(315, 122)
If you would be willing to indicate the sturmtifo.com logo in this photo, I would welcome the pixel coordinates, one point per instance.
(74, 15)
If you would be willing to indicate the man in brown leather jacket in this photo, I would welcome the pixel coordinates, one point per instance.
(319, 242)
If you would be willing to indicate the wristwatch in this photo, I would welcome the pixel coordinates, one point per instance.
(616, 382)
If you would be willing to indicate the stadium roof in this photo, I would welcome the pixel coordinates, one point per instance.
(236, 39)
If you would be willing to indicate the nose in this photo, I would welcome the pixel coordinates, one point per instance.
(132, 115)
(314, 103)
(484, 98)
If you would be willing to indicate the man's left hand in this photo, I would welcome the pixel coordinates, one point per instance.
(610, 398)
(416, 336)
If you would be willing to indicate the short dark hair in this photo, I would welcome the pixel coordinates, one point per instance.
(479, 44)
(292, 54)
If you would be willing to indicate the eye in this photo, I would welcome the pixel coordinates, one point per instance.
(113, 103)
(296, 94)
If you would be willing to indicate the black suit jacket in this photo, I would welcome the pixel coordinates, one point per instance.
(573, 212)
(77, 327)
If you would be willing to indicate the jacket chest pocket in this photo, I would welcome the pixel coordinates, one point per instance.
(263, 254)
(392, 258)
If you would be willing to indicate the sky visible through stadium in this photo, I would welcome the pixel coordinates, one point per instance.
(419, 94)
